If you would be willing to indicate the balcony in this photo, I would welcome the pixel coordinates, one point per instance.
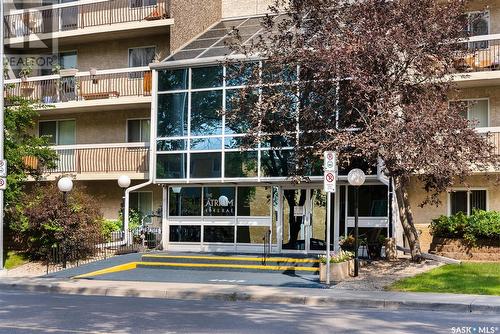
(479, 62)
(72, 21)
(127, 88)
(493, 134)
(100, 161)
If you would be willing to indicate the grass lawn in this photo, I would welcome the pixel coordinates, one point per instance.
(468, 277)
(14, 259)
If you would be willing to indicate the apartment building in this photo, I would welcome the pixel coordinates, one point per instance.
(135, 89)
(91, 68)
(478, 78)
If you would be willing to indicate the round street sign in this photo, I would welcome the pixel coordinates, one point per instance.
(329, 177)
(329, 156)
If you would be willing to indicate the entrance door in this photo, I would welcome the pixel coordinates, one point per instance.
(304, 220)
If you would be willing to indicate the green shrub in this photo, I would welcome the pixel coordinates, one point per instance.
(480, 225)
(110, 225)
(46, 220)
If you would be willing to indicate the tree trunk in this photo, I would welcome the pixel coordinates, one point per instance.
(406, 217)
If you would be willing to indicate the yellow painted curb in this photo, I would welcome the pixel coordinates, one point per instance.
(233, 258)
(133, 265)
(224, 265)
(121, 267)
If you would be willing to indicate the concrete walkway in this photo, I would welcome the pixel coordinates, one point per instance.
(184, 291)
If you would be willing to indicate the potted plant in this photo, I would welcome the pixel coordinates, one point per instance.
(348, 243)
(341, 263)
(24, 73)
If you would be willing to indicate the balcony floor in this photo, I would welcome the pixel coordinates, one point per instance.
(96, 33)
(124, 103)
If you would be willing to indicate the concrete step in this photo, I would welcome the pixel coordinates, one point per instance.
(251, 263)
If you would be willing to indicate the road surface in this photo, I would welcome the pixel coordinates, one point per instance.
(30, 312)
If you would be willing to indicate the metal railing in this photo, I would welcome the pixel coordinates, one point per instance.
(65, 255)
(83, 86)
(479, 54)
(493, 134)
(82, 14)
(128, 157)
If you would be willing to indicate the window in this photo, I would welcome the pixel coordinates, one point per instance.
(138, 130)
(475, 110)
(372, 201)
(58, 132)
(142, 202)
(467, 200)
(184, 201)
(68, 59)
(141, 3)
(478, 24)
(138, 57)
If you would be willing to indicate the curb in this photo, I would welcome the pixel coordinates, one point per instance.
(386, 300)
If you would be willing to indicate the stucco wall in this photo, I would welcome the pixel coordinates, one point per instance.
(110, 195)
(102, 127)
(192, 17)
(492, 93)
(114, 54)
(231, 8)
(427, 213)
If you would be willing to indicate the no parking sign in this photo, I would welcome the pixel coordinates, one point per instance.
(330, 169)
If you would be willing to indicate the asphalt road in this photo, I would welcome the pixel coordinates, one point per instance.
(25, 312)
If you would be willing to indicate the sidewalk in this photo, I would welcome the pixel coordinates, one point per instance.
(338, 298)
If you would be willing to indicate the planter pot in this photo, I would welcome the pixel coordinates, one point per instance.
(27, 91)
(338, 271)
(68, 72)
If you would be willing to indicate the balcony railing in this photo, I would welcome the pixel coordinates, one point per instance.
(479, 54)
(83, 86)
(82, 14)
(102, 158)
(493, 134)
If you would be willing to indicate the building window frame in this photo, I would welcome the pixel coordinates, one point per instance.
(468, 108)
(57, 128)
(143, 214)
(469, 192)
(155, 47)
(141, 119)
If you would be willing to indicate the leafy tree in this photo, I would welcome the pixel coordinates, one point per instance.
(373, 83)
(27, 155)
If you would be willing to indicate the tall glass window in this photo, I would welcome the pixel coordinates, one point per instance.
(197, 139)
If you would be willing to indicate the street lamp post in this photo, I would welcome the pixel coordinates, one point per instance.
(356, 178)
(124, 183)
(65, 185)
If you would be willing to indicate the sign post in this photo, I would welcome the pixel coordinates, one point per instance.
(329, 183)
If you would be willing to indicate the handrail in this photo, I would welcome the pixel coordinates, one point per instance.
(98, 158)
(82, 74)
(53, 6)
(80, 15)
(106, 145)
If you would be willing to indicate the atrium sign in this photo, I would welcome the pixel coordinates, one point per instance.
(221, 206)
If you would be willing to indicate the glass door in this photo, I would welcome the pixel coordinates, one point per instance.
(303, 220)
